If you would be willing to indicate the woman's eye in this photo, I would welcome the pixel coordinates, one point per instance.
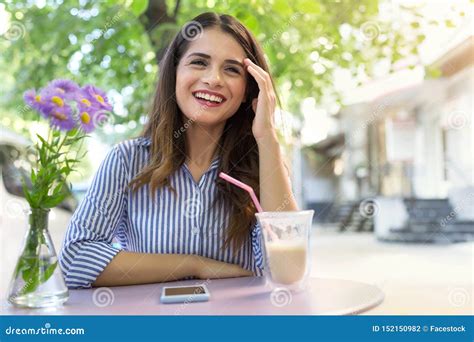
(234, 70)
(198, 62)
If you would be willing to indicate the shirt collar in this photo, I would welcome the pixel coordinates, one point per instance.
(214, 163)
(144, 141)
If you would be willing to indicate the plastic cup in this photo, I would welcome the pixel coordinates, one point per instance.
(287, 249)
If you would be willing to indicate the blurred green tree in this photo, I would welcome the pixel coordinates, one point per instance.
(117, 44)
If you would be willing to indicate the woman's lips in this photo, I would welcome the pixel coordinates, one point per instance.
(208, 103)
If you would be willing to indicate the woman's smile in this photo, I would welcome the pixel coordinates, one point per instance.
(209, 98)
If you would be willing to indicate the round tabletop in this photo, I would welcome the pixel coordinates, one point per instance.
(236, 296)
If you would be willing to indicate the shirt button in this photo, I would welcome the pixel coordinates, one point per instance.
(195, 230)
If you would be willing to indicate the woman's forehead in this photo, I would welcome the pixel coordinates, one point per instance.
(217, 44)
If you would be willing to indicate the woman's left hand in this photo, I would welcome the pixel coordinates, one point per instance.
(264, 105)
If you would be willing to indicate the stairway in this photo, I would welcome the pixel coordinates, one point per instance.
(431, 221)
(350, 217)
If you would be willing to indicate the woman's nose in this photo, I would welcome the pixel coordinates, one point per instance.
(213, 78)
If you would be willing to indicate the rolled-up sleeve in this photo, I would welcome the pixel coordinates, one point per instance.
(256, 236)
(87, 246)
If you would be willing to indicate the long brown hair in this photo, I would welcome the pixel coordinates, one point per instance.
(237, 147)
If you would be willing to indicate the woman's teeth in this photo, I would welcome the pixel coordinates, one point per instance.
(208, 97)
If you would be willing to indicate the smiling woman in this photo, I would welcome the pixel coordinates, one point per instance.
(159, 194)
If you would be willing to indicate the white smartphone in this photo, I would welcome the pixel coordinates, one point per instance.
(185, 294)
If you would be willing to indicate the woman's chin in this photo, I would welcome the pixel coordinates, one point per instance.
(202, 115)
(206, 120)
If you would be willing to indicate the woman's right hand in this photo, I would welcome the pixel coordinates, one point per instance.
(207, 268)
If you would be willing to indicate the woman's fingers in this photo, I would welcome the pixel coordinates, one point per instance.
(261, 81)
(260, 71)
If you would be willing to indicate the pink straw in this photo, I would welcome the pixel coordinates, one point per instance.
(243, 186)
(252, 195)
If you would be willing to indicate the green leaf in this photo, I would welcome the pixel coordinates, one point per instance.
(48, 272)
(73, 132)
(45, 143)
(57, 189)
(31, 275)
(53, 201)
(26, 192)
(20, 266)
(31, 265)
(33, 176)
(138, 7)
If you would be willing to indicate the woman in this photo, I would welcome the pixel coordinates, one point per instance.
(160, 195)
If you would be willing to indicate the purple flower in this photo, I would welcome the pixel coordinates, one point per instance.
(67, 105)
(54, 99)
(61, 117)
(86, 116)
(95, 96)
(67, 88)
(35, 101)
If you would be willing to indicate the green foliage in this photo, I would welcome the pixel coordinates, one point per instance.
(100, 43)
(138, 6)
(55, 161)
(106, 43)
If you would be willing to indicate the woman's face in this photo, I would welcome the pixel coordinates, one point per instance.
(211, 79)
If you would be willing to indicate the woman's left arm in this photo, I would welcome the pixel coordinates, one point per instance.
(275, 187)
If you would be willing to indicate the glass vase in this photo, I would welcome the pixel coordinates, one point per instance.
(37, 280)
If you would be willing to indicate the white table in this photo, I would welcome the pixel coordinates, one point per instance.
(236, 296)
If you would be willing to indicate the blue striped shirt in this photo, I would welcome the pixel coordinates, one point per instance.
(162, 223)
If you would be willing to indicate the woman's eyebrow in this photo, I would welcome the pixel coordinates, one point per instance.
(203, 55)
